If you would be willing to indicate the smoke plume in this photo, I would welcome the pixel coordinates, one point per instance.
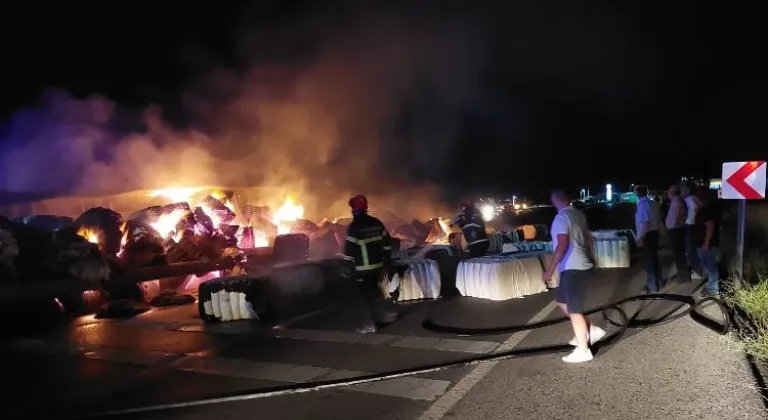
(341, 119)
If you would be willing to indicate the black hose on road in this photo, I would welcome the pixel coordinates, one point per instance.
(610, 312)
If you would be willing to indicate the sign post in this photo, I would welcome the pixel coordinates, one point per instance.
(738, 265)
(743, 181)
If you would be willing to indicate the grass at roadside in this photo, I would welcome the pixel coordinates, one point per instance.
(751, 297)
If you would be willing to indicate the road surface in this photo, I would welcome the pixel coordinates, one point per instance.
(679, 370)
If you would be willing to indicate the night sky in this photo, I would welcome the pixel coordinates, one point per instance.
(475, 98)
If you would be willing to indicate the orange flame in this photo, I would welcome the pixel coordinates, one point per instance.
(219, 195)
(166, 223)
(287, 215)
(260, 239)
(176, 195)
(91, 235)
(445, 225)
(124, 239)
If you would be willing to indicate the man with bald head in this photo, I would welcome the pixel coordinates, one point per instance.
(573, 258)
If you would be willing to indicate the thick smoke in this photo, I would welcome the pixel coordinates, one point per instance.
(340, 121)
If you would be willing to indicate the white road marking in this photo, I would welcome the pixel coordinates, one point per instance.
(413, 388)
(442, 406)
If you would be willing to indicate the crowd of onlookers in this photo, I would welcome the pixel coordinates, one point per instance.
(690, 224)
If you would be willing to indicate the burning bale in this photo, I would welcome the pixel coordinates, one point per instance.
(101, 226)
(303, 226)
(188, 249)
(436, 232)
(264, 226)
(256, 211)
(204, 222)
(421, 231)
(217, 211)
(246, 237)
(84, 261)
(142, 245)
(147, 215)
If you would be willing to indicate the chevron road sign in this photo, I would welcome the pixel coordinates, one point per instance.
(744, 180)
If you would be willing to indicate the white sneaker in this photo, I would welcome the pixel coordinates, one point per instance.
(594, 335)
(578, 356)
(696, 276)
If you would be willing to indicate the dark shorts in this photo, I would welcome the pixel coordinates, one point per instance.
(573, 287)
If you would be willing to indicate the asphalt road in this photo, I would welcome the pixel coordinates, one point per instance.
(679, 370)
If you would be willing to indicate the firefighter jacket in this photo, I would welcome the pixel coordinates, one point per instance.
(472, 224)
(368, 243)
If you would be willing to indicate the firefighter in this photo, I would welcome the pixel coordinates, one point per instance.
(471, 222)
(368, 248)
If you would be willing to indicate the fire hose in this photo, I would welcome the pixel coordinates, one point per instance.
(612, 313)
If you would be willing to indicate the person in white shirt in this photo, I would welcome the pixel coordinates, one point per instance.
(648, 224)
(675, 223)
(693, 204)
(573, 259)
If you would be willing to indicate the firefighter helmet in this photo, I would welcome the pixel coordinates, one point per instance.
(358, 202)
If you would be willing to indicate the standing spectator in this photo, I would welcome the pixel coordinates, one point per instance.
(706, 237)
(573, 258)
(648, 224)
(692, 204)
(675, 223)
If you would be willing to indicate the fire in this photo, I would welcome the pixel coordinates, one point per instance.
(260, 240)
(91, 235)
(210, 213)
(286, 215)
(445, 225)
(219, 195)
(176, 195)
(124, 239)
(166, 223)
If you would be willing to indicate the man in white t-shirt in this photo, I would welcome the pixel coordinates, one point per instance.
(572, 244)
(693, 204)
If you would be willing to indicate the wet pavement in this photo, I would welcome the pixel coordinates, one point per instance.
(167, 355)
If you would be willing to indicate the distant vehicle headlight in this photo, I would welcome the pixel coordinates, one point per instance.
(487, 212)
